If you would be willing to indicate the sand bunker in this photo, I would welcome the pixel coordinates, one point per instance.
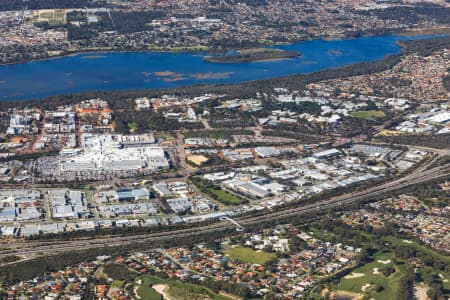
(365, 287)
(354, 275)
(443, 278)
(384, 262)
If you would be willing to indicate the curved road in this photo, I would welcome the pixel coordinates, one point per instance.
(31, 249)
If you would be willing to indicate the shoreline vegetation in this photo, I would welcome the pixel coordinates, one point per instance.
(120, 99)
(199, 49)
(253, 55)
(105, 50)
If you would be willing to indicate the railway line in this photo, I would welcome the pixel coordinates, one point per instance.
(32, 249)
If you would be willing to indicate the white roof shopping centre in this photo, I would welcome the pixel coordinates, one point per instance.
(106, 152)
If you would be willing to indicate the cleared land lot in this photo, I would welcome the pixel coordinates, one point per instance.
(369, 114)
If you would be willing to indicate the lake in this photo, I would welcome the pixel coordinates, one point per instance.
(145, 70)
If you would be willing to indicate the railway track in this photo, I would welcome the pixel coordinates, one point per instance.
(31, 249)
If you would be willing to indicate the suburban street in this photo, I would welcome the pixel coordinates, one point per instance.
(32, 249)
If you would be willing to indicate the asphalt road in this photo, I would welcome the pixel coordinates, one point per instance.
(31, 249)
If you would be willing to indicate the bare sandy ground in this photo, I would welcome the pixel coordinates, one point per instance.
(337, 295)
(420, 292)
(162, 289)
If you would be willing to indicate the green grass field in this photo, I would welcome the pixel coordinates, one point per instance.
(249, 255)
(177, 290)
(146, 292)
(222, 196)
(369, 114)
(389, 284)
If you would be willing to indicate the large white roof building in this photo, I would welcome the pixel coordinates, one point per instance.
(106, 152)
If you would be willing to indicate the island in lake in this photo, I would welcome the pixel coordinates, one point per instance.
(156, 70)
(253, 55)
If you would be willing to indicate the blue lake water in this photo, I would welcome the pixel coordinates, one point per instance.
(143, 70)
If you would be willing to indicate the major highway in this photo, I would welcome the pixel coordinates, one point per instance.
(31, 249)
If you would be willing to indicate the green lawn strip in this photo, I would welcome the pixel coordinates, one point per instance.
(249, 255)
(178, 290)
(369, 114)
(389, 284)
